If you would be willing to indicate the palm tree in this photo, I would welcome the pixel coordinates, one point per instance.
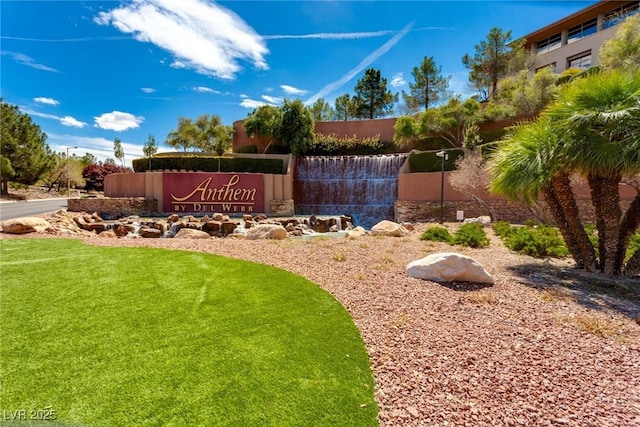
(598, 118)
(528, 163)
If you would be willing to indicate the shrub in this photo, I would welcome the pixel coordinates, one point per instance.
(209, 163)
(540, 241)
(472, 235)
(437, 234)
(634, 245)
(250, 149)
(502, 229)
(333, 144)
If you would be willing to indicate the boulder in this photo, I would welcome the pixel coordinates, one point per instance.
(389, 228)
(189, 233)
(408, 226)
(26, 225)
(109, 234)
(356, 232)
(267, 231)
(485, 220)
(449, 267)
(149, 232)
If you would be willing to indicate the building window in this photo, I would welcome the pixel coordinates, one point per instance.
(581, 60)
(582, 30)
(618, 14)
(548, 44)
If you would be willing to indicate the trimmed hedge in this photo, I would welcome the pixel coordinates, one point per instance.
(210, 164)
(427, 161)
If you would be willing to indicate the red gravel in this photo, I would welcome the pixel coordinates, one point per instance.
(524, 352)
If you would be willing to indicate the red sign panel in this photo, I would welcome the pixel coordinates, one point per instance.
(212, 192)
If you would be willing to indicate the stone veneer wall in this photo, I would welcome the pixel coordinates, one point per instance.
(515, 212)
(115, 206)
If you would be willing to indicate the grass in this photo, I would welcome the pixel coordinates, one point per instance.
(116, 336)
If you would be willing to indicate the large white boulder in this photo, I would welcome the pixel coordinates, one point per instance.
(267, 231)
(26, 225)
(389, 228)
(356, 232)
(449, 267)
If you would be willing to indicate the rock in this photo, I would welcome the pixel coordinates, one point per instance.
(211, 227)
(227, 227)
(408, 226)
(389, 228)
(173, 218)
(449, 267)
(189, 233)
(638, 318)
(110, 234)
(122, 230)
(149, 232)
(26, 225)
(485, 220)
(356, 232)
(267, 231)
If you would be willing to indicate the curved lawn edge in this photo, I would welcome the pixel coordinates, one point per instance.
(174, 337)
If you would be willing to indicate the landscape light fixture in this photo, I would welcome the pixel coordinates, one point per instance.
(69, 174)
(444, 156)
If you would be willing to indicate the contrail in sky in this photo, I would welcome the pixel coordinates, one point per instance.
(361, 66)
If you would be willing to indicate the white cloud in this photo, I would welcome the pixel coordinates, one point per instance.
(290, 90)
(65, 121)
(272, 99)
(201, 35)
(72, 122)
(398, 80)
(101, 148)
(148, 89)
(327, 89)
(48, 101)
(204, 89)
(118, 121)
(23, 59)
(253, 104)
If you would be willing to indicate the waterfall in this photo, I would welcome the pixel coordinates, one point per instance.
(365, 187)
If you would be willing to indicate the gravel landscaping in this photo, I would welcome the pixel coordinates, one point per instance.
(544, 346)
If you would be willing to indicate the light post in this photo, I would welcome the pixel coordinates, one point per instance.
(444, 156)
(69, 174)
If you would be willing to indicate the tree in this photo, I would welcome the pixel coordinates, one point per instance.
(182, 137)
(23, 144)
(88, 159)
(118, 151)
(409, 105)
(344, 108)
(472, 178)
(527, 95)
(223, 139)
(263, 122)
(321, 110)
(64, 172)
(296, 130)
(493, 59)
(454, 122)
(94, 174)
(150, 148)
(372, 99)
(429, 86)
(623, 50)
(6, 173)
(593, 129)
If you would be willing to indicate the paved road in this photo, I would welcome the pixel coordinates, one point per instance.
(22, 208)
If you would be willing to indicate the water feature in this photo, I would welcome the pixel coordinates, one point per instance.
(365, 187)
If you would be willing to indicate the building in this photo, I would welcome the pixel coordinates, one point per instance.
(574, 41)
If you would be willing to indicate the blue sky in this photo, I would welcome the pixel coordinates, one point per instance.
(90, 71)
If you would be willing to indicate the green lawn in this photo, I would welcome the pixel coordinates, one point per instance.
(138, 336)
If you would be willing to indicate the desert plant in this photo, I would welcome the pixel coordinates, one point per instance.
(472, 235)
(437, 234)
(540, 241)
(502, 229)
